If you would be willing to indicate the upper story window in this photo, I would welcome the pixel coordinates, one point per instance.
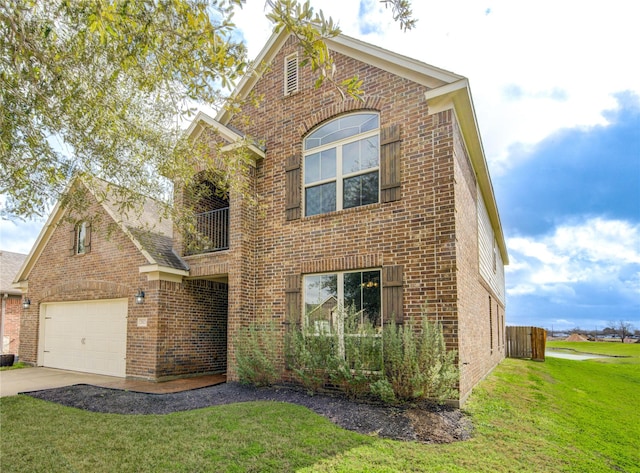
(291, 74)
(341, 164)
(80, 238)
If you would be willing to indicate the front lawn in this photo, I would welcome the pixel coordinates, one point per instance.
(561, 415)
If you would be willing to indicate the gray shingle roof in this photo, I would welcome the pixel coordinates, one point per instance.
(150, 229)
(10, 264)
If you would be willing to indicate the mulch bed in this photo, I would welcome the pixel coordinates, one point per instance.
(423, 422)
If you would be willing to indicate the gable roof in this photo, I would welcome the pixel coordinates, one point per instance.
(151, 235)
(234, 138)
(10, 264)
(446, 90)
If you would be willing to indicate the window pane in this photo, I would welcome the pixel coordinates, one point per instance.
(351, 157)
(320, 166)
(362, 295)
(370, 124)
(321, 301)
(312, 168)
(360, 190)
(369, 153)
(320, 199)
(360, 155)
(371, 296)
(341, 128)
(328, 164)
(352, 291)
(81, 235)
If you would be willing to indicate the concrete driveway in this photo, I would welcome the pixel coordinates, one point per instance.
(13, 382)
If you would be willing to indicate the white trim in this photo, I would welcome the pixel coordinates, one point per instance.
(156, 272)
(235, 140)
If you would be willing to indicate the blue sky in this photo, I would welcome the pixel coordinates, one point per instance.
(557, 95)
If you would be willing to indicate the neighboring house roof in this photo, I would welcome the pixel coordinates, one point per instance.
(446, 89)
(151, 234)
(10, 264)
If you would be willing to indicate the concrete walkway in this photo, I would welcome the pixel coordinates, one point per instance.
(572, 356)
(13, 382)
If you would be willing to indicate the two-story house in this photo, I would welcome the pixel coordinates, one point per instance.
(384, 204)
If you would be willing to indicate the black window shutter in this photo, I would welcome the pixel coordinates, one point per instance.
(390, 163)
(392, 293)
(292, 188)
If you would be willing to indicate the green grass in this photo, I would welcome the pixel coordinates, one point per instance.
(16, 366)
(561, 415)
(631, 350)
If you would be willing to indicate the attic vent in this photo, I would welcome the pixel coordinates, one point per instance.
(291, 74)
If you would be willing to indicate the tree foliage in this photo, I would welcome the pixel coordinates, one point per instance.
(103, 88)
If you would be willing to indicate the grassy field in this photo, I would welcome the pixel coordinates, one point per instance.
(560, 415)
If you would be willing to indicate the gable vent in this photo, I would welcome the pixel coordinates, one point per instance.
(291, 74)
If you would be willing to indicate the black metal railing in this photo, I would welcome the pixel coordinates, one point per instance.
(212, 232)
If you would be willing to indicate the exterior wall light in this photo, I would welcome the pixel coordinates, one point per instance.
(140, 297)
(26, 303)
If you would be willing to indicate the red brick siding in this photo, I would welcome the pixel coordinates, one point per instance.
(11, 329)
(417, 232)
(185, 323)
(192, 323)
(477, 356)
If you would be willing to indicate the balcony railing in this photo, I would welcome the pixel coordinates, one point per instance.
(212, 232)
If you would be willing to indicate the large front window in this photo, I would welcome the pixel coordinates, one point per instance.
(341, 163)
(328, 298)
(344, 309)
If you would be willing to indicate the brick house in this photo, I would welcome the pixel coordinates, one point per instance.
(11, 302)
(383, 203)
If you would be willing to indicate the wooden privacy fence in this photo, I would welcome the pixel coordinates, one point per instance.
(526, 342)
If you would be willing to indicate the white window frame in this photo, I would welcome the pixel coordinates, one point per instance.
(340, 177)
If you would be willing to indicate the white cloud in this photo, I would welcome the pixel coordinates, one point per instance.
(567, 62)
(596, 251)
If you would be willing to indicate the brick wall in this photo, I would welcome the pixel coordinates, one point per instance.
(192, 327)
(431, 231)
(184, 329)
(108, 271)
(417, 232)
(11, 329)
(481, 344)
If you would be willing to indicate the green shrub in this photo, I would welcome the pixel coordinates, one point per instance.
(311, 355)
(403, 363)
(256, 354)
(417, 364)
(383, 390)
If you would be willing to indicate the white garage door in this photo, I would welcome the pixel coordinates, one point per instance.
(89, 336)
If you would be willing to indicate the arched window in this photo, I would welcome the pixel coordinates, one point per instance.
(341, 164)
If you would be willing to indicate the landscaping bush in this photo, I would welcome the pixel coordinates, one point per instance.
(417, 364)
(256, 350)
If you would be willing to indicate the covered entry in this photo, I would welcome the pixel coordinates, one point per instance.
(89, 336)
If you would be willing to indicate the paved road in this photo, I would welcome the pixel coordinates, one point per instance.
(13, 382)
